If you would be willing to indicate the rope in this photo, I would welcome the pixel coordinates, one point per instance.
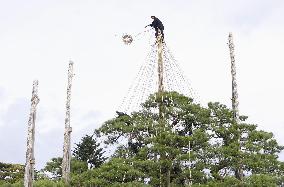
(146, 81)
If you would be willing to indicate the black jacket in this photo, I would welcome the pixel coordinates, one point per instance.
(157, 24)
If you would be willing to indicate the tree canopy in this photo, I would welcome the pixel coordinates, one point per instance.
(173, 141)
(89, 151)
(188, 144)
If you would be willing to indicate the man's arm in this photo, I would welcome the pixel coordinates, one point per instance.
(151, 25)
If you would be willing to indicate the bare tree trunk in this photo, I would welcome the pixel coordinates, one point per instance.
(66, 161)
(30, 160)
(235, 102)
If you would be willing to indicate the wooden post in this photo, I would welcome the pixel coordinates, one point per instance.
(235, 102)
(165, 176)
(160, 65)
(30, 160)
(67, 134)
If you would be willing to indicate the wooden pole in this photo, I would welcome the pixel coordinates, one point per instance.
(164, 176)
(67, 134)
(160, 65)
(30, 160)
(235, 102)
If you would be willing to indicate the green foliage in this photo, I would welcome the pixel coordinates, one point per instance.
(256, 180)
(115, 171)
(78, 167)
(172, 141)
(262, 180)
(220, 151)
(54, 167)
(227, 181)
(48, 183)
(89, 151)
(11, 173)
(20, 183)
(240, 146)
(159, 146)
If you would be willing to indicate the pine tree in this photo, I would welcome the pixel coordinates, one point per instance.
(54, 167)
(159, 147)
(89, 151)
(257, 150)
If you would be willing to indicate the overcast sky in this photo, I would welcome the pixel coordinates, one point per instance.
(38, 38)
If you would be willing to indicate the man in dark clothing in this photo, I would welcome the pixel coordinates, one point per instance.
(158, 26)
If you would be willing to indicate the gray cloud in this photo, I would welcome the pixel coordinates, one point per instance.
(48, 143)
(13, 131)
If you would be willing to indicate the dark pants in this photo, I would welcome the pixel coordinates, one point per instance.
(157, 32)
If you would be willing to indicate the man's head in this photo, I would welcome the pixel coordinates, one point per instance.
(153, 17)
